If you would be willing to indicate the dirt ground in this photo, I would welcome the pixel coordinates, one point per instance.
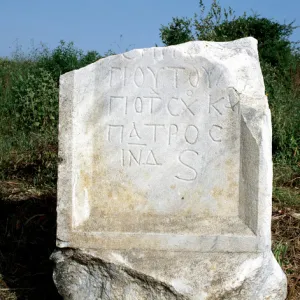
(27, 239)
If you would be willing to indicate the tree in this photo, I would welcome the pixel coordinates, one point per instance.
(64, 58)
(220, 25)
(177, 32)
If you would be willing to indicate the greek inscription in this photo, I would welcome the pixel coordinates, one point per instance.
(161, 132)
(194, 78)
(182, 159)
(138, 105)
(233, 99)
(152, 102)
(137, 158)
(155, 129)
(155, 75)
(191, 134)
(188, 106)
(213, 106)
(143, 124)
(171, 112)
(120, 76)
(173, 105)
(151, 160)
(139, 77)
(134, 133)
(176, 69)
(173, 129)
(208, 75)
(214, 132)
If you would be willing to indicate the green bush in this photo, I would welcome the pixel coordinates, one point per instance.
(284, 101)
(64, 58)
(177, 32)
(29, 111)
(35, 101)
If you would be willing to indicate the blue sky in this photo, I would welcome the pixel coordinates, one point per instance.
(116, 24)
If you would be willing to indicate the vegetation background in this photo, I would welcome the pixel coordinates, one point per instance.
(29, 87)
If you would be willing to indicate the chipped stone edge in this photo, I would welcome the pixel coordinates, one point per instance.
(59, 257)
(65, 156)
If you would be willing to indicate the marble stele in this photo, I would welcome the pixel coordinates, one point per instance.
(165, 179)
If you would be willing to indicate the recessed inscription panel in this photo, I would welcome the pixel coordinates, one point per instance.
(166, 157)
(161, 141)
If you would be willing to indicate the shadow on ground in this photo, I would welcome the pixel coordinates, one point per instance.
(27, 239)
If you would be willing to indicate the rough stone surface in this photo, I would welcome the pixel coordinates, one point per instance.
(163, 276)
(166, 173)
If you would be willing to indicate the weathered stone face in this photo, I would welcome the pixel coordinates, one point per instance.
(166, 149)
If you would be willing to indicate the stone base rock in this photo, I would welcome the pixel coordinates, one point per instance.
(157, 275)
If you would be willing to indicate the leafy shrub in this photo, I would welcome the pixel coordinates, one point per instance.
(35, 101)
(29, 110)
(64, 58)
(178, 31)
(284, 102)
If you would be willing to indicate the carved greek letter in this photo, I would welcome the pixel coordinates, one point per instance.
(134, 132)
(213, 105)
(188, 137)
(136, 159)
(181, 160)
(138, 105)
(139, 77)
(155, 129)
(213, 134)
(169, 107)
(172, 132)
(194, 78)
(151, 160)
(152, 102)
(155, 75)
(176, 69)
(188, 106)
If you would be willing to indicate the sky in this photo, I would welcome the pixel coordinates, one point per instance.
(117, 25)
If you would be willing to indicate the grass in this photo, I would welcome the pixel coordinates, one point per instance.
(286, 223)
(27, 239)
(286, 245)
(5, 292)
(286, 189)
(30, 158)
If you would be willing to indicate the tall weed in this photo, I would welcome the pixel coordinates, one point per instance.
(29, 111)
